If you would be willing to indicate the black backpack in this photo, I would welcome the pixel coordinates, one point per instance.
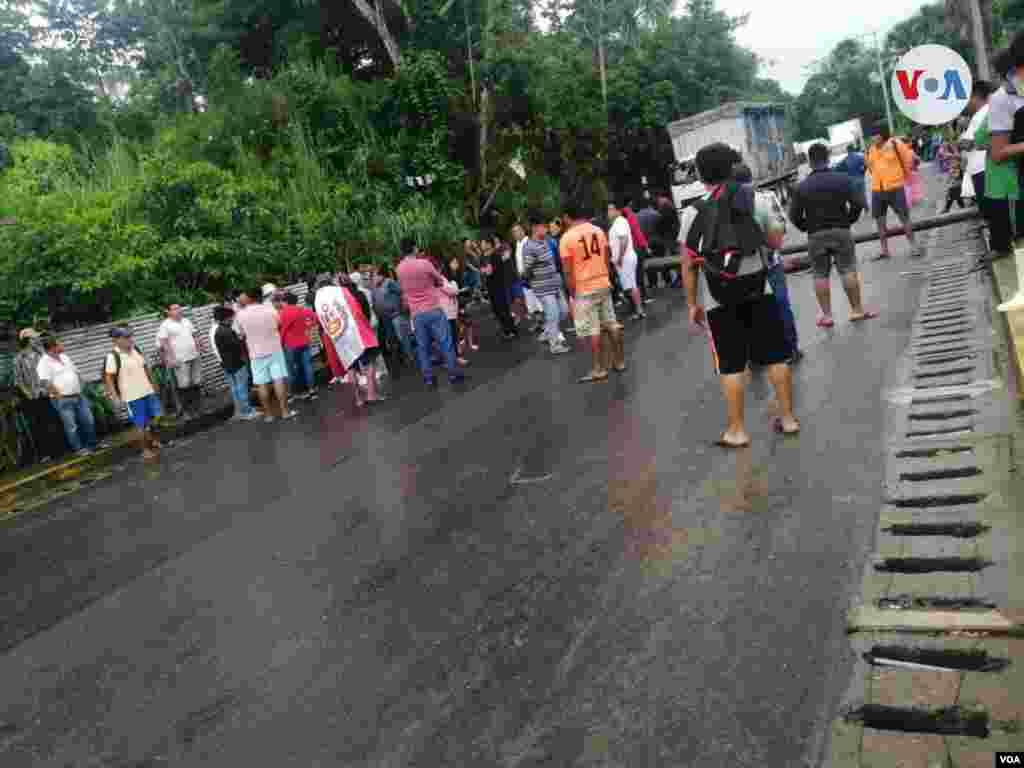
(728, 238)
(117, 368)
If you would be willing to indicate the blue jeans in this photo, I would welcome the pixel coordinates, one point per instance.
(433, 326)
(239, 381)
(79, 426)
(552, 318)
(300, 369)
(777, 280)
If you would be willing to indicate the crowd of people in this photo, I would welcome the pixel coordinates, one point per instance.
(562, 275)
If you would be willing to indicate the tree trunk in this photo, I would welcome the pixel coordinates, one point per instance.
(484, 118)
(604, 75)
(375, 15)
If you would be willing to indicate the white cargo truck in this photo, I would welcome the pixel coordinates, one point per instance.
(757, 130)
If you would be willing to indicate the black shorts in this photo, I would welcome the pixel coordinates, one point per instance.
(365, 359)
(751, 332)
(896, 199)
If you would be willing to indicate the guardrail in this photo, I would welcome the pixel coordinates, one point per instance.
(932, 222)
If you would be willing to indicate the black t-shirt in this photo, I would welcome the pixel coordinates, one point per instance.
(230, 348)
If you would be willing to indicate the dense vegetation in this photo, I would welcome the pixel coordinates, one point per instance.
(156, 150)
(168, 149)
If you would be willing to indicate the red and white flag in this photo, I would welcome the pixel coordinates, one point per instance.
(347, 328)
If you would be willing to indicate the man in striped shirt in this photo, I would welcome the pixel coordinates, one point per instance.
(541, 272)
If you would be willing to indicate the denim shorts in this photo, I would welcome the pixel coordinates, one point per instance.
(269, 368)
(144, 410)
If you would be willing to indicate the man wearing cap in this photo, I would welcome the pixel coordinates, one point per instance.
(128, 380)
(180, 350)
(44, 424)
(64, 386)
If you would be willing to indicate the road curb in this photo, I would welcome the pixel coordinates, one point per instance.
(21, 489)
(1004, 285)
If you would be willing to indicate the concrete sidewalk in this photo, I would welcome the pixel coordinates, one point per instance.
(940, 620)
(1004, 283)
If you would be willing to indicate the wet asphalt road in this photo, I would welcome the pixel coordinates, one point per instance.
(525, 572)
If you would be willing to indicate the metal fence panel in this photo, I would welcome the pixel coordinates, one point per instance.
(88, 347)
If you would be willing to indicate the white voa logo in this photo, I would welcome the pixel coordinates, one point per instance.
(1009, 760)
(931, 84)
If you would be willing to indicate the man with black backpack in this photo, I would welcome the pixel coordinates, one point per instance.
(726, 243)
(129, 381)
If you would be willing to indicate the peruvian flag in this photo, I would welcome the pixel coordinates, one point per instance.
(346, 325)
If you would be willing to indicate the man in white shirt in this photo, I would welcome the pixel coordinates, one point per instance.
(64, 386)
(974, 172)
(180, 350)
(533, 304)
(620, 242)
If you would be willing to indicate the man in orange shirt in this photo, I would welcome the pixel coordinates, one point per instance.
(890, 161)
(584, 253)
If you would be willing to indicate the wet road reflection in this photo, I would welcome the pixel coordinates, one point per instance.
(374, 589)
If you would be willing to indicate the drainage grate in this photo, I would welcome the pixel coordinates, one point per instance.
(965, 661)
(932, 565)
(919, 603)
(942, 360)
(956, 530)
(948, 334)
(941, 416)
(934, 432)
(940, 399)
(931, 453)
(950, 721)
(957, 382)
(948, 500)
(940, 474)
(949, 372)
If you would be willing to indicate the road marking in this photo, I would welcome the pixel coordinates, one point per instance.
(517, 478)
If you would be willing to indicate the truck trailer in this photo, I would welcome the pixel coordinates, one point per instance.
(759, 131)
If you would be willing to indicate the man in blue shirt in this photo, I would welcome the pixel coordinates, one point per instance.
(853, 166)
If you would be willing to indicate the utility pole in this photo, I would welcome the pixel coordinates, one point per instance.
(885, 84)
(978, 41)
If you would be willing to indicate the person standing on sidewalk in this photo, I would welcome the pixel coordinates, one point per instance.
(1003, 168)
(298, 324)
(128, 380)
(724, 242)
(59, 375)
(421, 284)
(620, 238)
(584, 249)
(824, 206)
(234, 360)
(542, 274)
(770, 217)
(44, 424)
(180, 351)
(974, 173)
(261, 329)
(890, 162)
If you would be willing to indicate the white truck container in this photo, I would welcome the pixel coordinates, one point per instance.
(757, 130)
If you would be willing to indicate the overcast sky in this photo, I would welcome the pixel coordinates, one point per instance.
(777, 30)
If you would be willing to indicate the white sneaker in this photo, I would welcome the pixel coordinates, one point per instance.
(560, 349)
(1017, 302)
(1014, 304)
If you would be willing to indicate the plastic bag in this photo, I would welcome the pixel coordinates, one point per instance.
(915, 189)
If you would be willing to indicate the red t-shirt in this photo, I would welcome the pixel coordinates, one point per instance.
(296, 325)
